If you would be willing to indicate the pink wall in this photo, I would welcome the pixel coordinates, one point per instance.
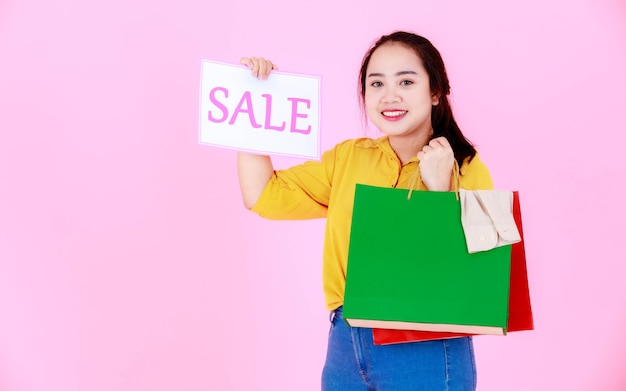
(127, 261)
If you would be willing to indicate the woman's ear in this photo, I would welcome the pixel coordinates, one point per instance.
(435, 99)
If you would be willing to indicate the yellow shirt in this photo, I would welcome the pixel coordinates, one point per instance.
(326, 189)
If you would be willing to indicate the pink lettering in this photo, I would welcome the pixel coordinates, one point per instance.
(268, 114)
(247, 100)
(220, 112)
(219, 105)
(295, 115)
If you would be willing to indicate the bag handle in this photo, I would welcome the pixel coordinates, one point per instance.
(416, 179)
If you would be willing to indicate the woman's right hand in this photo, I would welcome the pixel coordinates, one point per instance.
(259, 66)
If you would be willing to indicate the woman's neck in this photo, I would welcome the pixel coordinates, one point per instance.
(406, 147)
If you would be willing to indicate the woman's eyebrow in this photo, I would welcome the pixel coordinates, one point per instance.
(397, 74)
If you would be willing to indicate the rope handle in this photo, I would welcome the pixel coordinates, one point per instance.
(416, 179)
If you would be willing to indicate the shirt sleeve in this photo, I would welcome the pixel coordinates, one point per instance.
(300, 192)
(475, 175)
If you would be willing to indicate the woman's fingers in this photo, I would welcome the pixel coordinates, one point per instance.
(255, 66)
(440, 142)
(265, 67)
(259, 67)
(437, 146)
(436, 160)
(251, 63)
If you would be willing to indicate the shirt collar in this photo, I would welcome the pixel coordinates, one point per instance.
(383, 144)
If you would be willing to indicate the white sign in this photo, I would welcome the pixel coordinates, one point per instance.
(278, 116)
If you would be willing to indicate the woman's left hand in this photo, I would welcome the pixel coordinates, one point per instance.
(436, 160)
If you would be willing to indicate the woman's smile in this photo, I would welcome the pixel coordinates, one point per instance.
(394, 115)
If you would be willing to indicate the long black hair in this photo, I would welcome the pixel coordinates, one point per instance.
(442, 119)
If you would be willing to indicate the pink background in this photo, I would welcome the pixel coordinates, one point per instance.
(127, 261)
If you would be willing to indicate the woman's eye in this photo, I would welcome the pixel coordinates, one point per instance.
(376, 84)
(406, 82)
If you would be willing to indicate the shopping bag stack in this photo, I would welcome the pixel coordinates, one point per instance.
(411, 277)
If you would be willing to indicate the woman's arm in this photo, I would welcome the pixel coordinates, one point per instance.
(254, 173)
(254, 170)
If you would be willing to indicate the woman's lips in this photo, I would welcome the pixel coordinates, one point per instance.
(393, 115)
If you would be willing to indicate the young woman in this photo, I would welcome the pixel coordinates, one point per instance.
(404, 90)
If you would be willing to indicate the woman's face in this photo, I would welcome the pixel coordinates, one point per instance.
(398, 99)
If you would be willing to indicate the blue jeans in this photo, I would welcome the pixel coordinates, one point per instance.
(354, 363)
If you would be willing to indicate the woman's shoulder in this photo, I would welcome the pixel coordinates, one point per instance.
(475, 174)
(473, 162)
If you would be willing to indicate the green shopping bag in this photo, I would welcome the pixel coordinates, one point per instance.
(409, 268)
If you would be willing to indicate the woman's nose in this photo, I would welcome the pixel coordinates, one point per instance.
(390, 95)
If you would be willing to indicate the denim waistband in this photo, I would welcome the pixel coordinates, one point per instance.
(336, 313)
